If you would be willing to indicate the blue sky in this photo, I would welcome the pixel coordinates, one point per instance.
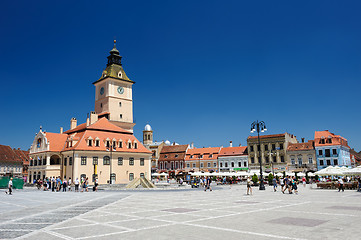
(204, 70)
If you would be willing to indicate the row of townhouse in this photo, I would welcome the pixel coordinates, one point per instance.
(277, 152)
(14, 162)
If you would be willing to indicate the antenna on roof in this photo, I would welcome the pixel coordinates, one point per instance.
(41, 127)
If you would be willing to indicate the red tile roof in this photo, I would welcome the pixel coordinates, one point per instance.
(56, 140)
(301, 146)
(8, 155)
(326, 138)
(267, 136)
(102, 130)
(233, 151)
(174, 149)
(173, 153)
(195, 153)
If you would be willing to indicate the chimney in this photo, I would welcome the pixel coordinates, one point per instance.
(87, 120)
(73, 123)
(93, 117)
(240, 145)
(61, 130)
(230, 144)
(192, 145)
(303, 140)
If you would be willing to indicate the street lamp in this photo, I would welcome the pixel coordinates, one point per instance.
(259, 127)
(272, 154)
(112, 148)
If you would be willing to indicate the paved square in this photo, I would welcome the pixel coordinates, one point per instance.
(225, 213)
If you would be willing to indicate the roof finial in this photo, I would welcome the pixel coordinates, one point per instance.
(115, 41)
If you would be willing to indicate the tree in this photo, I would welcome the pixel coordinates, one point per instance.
(255, 179)
(270, 178)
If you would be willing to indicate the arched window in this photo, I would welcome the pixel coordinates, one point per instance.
(106, 160)
(38, 143)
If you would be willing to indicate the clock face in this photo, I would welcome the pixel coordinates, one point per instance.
(102, 91)
(120, 90)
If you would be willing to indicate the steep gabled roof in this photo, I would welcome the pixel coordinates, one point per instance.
(7, 154)
(174, 149)
(56, 140)
(301, 146)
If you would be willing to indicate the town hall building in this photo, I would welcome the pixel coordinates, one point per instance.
(103, 147)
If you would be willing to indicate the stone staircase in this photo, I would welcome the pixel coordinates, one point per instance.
(140, 182)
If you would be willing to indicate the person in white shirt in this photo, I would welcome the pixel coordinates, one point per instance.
(69, 184)
(340, 185)
(10, 186)
(76, 183)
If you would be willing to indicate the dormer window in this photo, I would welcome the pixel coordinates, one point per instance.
(114, 144)
(165, 156)
(107, 144)
(120, 144)
(329, 140)
(97, 142)
(176, 155)
(322, 141)
(191, 156)
(129, 145)
(90, 142)
(135, 145)
(201, 156)
(210, 155)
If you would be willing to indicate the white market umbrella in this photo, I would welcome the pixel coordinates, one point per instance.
(155, 174)
(279, 174)
(311, 174)
(353, 171)
(301, 174)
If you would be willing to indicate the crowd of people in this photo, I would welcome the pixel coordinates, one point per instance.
(56, 184)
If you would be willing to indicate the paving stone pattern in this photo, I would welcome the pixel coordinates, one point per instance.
(225, 213)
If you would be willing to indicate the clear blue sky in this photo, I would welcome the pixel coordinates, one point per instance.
(204, 70)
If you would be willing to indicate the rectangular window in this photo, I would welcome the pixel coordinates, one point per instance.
(252, 159)
(293, 161)
(320, 152)
(135, 145)
(334, 151)
(120, 161)
(266, 147)
(90, 143)
(120, 116)
(44, 161)
(221, 164)
(83, 160)
(131, 161)
(120, 144)
(201, 165)
(239, 164)
(327, 153)
(244, 164)
(193, 165)
(226, 164)
(258, 148)
(214, 164)
(108, 144)
(310, 160)
(335, 162)
(299, 161)
(267, 159)
(95, 160)
(97, 143)
(188, 165)
(321, 162)
(209, 164)
(281, 146)
(328, 161)
(65, 161)
(251, 148)
(273, 146)
(142, 162)
(282, 158)
(129, 145)
(106, 160)
(70, 161)
(131, 176)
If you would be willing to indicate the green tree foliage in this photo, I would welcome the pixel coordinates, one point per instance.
(255, 179)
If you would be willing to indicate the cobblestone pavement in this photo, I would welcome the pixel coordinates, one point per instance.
(225, 213)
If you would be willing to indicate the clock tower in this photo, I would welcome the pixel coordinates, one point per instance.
(113, 93)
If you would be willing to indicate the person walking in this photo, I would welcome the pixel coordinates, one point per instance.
(53, 182)
(304, 181)
(65, 185)
(359, 184)
(69, 184)
(10, 187)
(76, 184)
(340, 185)
(294, 185)
(274, 181)
(282, 183)
(208, 182)
(249, 186)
